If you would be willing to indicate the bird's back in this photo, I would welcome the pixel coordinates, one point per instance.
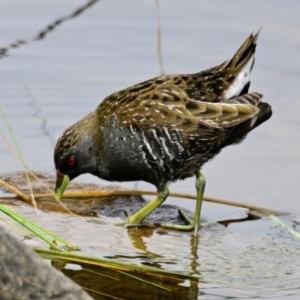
(168, 127)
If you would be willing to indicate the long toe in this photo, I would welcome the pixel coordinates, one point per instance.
(184, 218)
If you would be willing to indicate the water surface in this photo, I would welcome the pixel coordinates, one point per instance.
(52, 78)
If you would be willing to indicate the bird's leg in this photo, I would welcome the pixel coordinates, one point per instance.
(139, 216)
(192, 224)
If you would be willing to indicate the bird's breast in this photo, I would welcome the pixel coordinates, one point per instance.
(130, 153)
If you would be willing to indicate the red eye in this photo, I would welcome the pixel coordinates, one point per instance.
(71, 161)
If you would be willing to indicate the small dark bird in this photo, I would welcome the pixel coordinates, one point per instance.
(164, 129)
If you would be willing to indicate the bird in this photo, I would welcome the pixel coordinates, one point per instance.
(163, 130)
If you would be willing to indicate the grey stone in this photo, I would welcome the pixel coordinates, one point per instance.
(24, 275)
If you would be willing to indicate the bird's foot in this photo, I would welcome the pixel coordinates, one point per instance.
(127, 224)
(190, 225)
(137, 219)
(190, 222)
(131, 222)
(186, 219)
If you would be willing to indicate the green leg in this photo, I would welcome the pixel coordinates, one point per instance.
(200, 187)
(139, 216)
(192, 225)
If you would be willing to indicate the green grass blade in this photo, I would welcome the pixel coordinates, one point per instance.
(37, 230)
(292, 231)
(23, 232)
(78, 258)
(17, 147)
(145, 281)
(100, 274)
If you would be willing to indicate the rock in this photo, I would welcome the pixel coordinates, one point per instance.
(24, 275)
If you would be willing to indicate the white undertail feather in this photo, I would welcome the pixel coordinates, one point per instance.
(241, 80)
(243, 77)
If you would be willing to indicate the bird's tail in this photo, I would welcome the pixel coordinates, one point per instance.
(231, 78)
(239, 132)
(237, 69)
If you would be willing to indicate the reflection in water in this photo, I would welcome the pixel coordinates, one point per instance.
(137, 238)
(219, 259)
(194, 289)
(100, 282)
(58, 22)
(224, 261)
(33, 103)
(113, 284)
(4, 51)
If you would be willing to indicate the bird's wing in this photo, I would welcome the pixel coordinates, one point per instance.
(170, 106)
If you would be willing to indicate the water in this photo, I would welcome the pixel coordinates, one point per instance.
(50, 83)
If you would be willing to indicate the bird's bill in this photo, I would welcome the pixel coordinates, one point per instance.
(62, 182)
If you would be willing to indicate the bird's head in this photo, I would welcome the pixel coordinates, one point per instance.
(74, 154)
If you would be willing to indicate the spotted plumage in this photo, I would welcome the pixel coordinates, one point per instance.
(166, 128)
